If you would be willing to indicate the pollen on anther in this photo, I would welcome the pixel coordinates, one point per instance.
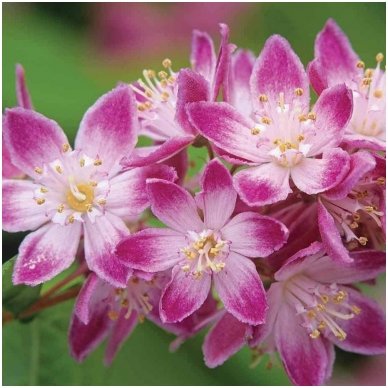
(58, 169)
(82, 162)
(165, 96)
(263, 98)
(40, 201)
(378, 93)
(43, 190)
(71, 219)
(363, 241)
(162, 74)
(113, 315)
(356, 310)
(379, 57)
(266, 120)
(360, 64)
(151, 73)
(61, 208)
(255, 131)
(299, 92)
(315, 334)
(65, 147)
(167, 63)
(102, 201)
(88, 207)
(97, 162)
(311, 116)
(381, 180)
(93, 183)
(38, 170)
(366, 81)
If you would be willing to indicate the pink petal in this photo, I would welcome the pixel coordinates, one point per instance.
(20, 211)
(366, 265)
(313, 176)
(354, 140)
(333, 112)
(218, 195)
(279, 70)
(128, 195)
(226, 128)
(306, 360)
(8, 169)
(120, 332)
(331, 237)
(101, 238)
(335, 53)
(22, 94)
(174, 206)
(365, 333)
(361, 163)
(180, 163)
(145, 156)
(239, 77)
(108, 129)
(91, 297)
(241, 290)
(192, 87)
(151, 250)
(203, 57)
(83, 339)
(183, 295)
(263, 185)
(225, 339)
(254, 235)
(32, 139)
(46, 252)
(317, 76)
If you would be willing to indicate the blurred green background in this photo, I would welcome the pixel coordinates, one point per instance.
(72, 54)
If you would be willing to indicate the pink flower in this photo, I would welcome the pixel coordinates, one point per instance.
(336, 63)
(24, 101)
(313, 306)
(162, 98)
(102, 310)
(77, 193)
(200, 250)
(280, 138)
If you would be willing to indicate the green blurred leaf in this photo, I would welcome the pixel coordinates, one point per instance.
(16, 298)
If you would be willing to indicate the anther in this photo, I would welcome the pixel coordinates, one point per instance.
(341, 336)
(369, 209)
(320, 307)
(312, 116)
(302, 118)
(165, 96)
(378, 93)
(360, 64)
(356, 217)
(71, 219)
(93, 183)
(162, 75)
(263, 98)
(141, 107)
(88, 207)
(325, 298)
(315, 334)
(266, 120)
(311, 314)
(43, 190)
(299, 92)
(366, 81)
(58, 169)
(38, 170)
(167, 63)
(255, 131)
(354, 225)
(40, 201)
(113, 315)
(66, 147)
(151, 73)
(368, 73)
(363, 241)
(379, 57)
(381, 180)
(102, 201)
(186, 268)
(61, 208)
(322, 325)
(124, 303)
(356, 310)
(82, 162)
(97, 162)
(300, 138)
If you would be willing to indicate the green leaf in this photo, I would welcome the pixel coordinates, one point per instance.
(16, 298)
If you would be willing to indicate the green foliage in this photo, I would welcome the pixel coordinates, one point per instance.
(16, 298)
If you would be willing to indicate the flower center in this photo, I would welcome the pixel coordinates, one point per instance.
(80, 197)
(206, 252)
(321, 306)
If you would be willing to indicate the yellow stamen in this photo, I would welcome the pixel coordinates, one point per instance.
(38, 170)
(40, 201)
(315, 334)
(312, 116)
(379, 57)
(263, 98)
(167, 63)
(61, 208)
(97, 162)
(65, 147)
(113, 315)
(360, 64)
(378, 93)
(43, 190)
(299, 92)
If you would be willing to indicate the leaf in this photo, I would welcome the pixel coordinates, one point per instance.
(16, 298)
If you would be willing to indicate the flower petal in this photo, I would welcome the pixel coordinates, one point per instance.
(361, 163)
(263, 185)
(109, 128)
(101, 238)
(151, 250)
(241, 290)
(306, 360)
(120, 332)
(333, 112)
(239, 77)
(225, 339)
(22, 94)
(335, 53)
(174, 206)
(218, 195)
(365, 333)
(128, 196)
(83, 339)
(225, 127)
(145, 156)
(192, 87)
(46, 252)
(183, 295)
(32, 139)
(313, 176)
(91, 297)
(317, 76)
(20, 211)
(203, 57)
(331, 237)
(279, 70)
(254, 235)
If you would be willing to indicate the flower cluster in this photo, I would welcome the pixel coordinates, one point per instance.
(265, 248)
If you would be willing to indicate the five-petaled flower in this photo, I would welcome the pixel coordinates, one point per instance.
(201, 249)
(74, 193)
